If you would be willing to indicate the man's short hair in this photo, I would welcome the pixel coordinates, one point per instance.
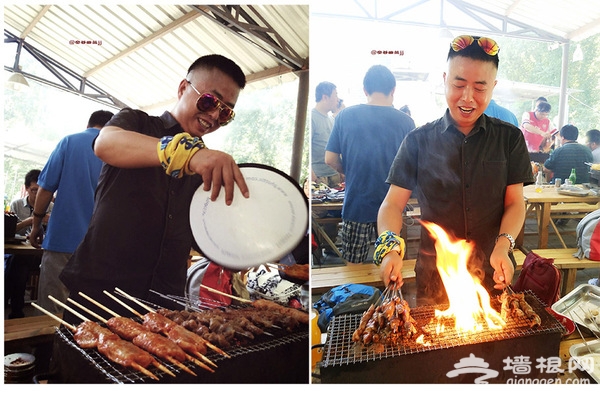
(379, 79)
(541, 98)
(225, 65)
(99, 118)
(32, 176)
(475, 52)
(324, 88)
(543, 106)
(569, 132)
(593, 135)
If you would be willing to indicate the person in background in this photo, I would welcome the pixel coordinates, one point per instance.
(571, 154)
(406, 110)
(467, 171)
(593, 142)
(139, 238)
(17, 268)
(495, 110)
(362, 146)
(72, 172)
(321, 123)
(537, 128)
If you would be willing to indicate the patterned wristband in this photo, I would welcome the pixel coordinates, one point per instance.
(175, 153)
(387, 242)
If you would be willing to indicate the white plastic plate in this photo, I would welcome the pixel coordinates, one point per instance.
(251, 231)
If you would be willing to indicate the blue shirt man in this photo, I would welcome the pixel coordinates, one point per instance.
(497, 111)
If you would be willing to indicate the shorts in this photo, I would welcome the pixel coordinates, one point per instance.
(357, 239)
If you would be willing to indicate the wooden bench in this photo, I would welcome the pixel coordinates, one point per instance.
(568, 265)
(29, 328)
(324, 279)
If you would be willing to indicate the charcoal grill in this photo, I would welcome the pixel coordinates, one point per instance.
(344, 361)
(257, 362)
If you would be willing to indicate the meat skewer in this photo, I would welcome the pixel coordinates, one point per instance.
(165, 346)
(158, 323)
(153, 343)
(297, 314)
(89, 334)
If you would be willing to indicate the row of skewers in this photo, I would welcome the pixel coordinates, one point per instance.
(141, 344)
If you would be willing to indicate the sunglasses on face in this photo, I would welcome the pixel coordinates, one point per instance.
(488, 45)
(208, 102)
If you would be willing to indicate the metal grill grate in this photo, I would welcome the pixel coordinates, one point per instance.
(118, 374)
(341, 350)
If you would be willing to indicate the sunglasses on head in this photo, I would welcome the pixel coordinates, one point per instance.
(209, 102)
(488, 45)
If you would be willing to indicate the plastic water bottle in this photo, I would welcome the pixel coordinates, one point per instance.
(573, 176)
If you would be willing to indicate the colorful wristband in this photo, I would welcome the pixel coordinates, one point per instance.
(387, 242)
(176, 152)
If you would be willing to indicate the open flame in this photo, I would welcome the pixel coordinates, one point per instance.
(469, 302)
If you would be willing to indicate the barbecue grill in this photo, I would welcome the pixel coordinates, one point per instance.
(345, 361)
(259, 361)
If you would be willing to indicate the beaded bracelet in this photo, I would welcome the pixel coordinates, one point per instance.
(387, 242)
(175, 153)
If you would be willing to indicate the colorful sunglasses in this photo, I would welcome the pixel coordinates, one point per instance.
(488, 45)
(208, 102)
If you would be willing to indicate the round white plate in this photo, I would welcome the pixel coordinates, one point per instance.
(251, 231)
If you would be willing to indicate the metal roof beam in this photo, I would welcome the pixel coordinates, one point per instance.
(230, 17)
(61, 72)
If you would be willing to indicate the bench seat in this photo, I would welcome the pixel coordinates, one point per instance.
(568, 265)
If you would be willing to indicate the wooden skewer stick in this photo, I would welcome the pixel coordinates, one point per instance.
(134, 300)
(73, 328)
(99, 305)
(150, 374)
(58, 319)
(97, 316)
(68, 308)
(124, 305)
(225, 294)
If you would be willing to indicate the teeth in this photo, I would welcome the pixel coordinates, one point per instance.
(465, 109)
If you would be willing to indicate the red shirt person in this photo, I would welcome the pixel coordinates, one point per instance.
(537, 127)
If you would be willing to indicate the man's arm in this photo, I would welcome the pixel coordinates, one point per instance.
(389, 218)
(512, 223)
(127, 149)
(334, 160)
(42, 202)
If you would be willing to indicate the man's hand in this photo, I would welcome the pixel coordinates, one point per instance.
(391, 269)
(218, 170)
(36, 236)
(503, 268)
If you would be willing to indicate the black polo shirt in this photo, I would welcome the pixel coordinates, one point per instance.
(139, 237)
(460, 182)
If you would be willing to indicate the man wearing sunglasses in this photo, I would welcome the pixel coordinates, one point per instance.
(467, 171)
(139, 238)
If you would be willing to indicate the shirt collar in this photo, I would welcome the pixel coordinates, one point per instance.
(448, 123)
(169, 121)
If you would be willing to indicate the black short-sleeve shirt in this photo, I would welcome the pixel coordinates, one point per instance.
(460, 181)
(139, 237)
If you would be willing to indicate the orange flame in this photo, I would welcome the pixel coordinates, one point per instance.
(469, 302)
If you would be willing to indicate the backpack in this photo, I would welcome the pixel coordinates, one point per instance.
(348, 298)
(207, 273)
(588, 237)
(539, 275)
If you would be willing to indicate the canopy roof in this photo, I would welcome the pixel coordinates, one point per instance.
(108, 52)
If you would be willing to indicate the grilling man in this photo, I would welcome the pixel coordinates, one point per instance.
(471, 184)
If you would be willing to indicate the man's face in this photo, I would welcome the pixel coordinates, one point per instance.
(541, 115)
(32, 190)
(469, 85)
(332, 101)
(199, 123)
